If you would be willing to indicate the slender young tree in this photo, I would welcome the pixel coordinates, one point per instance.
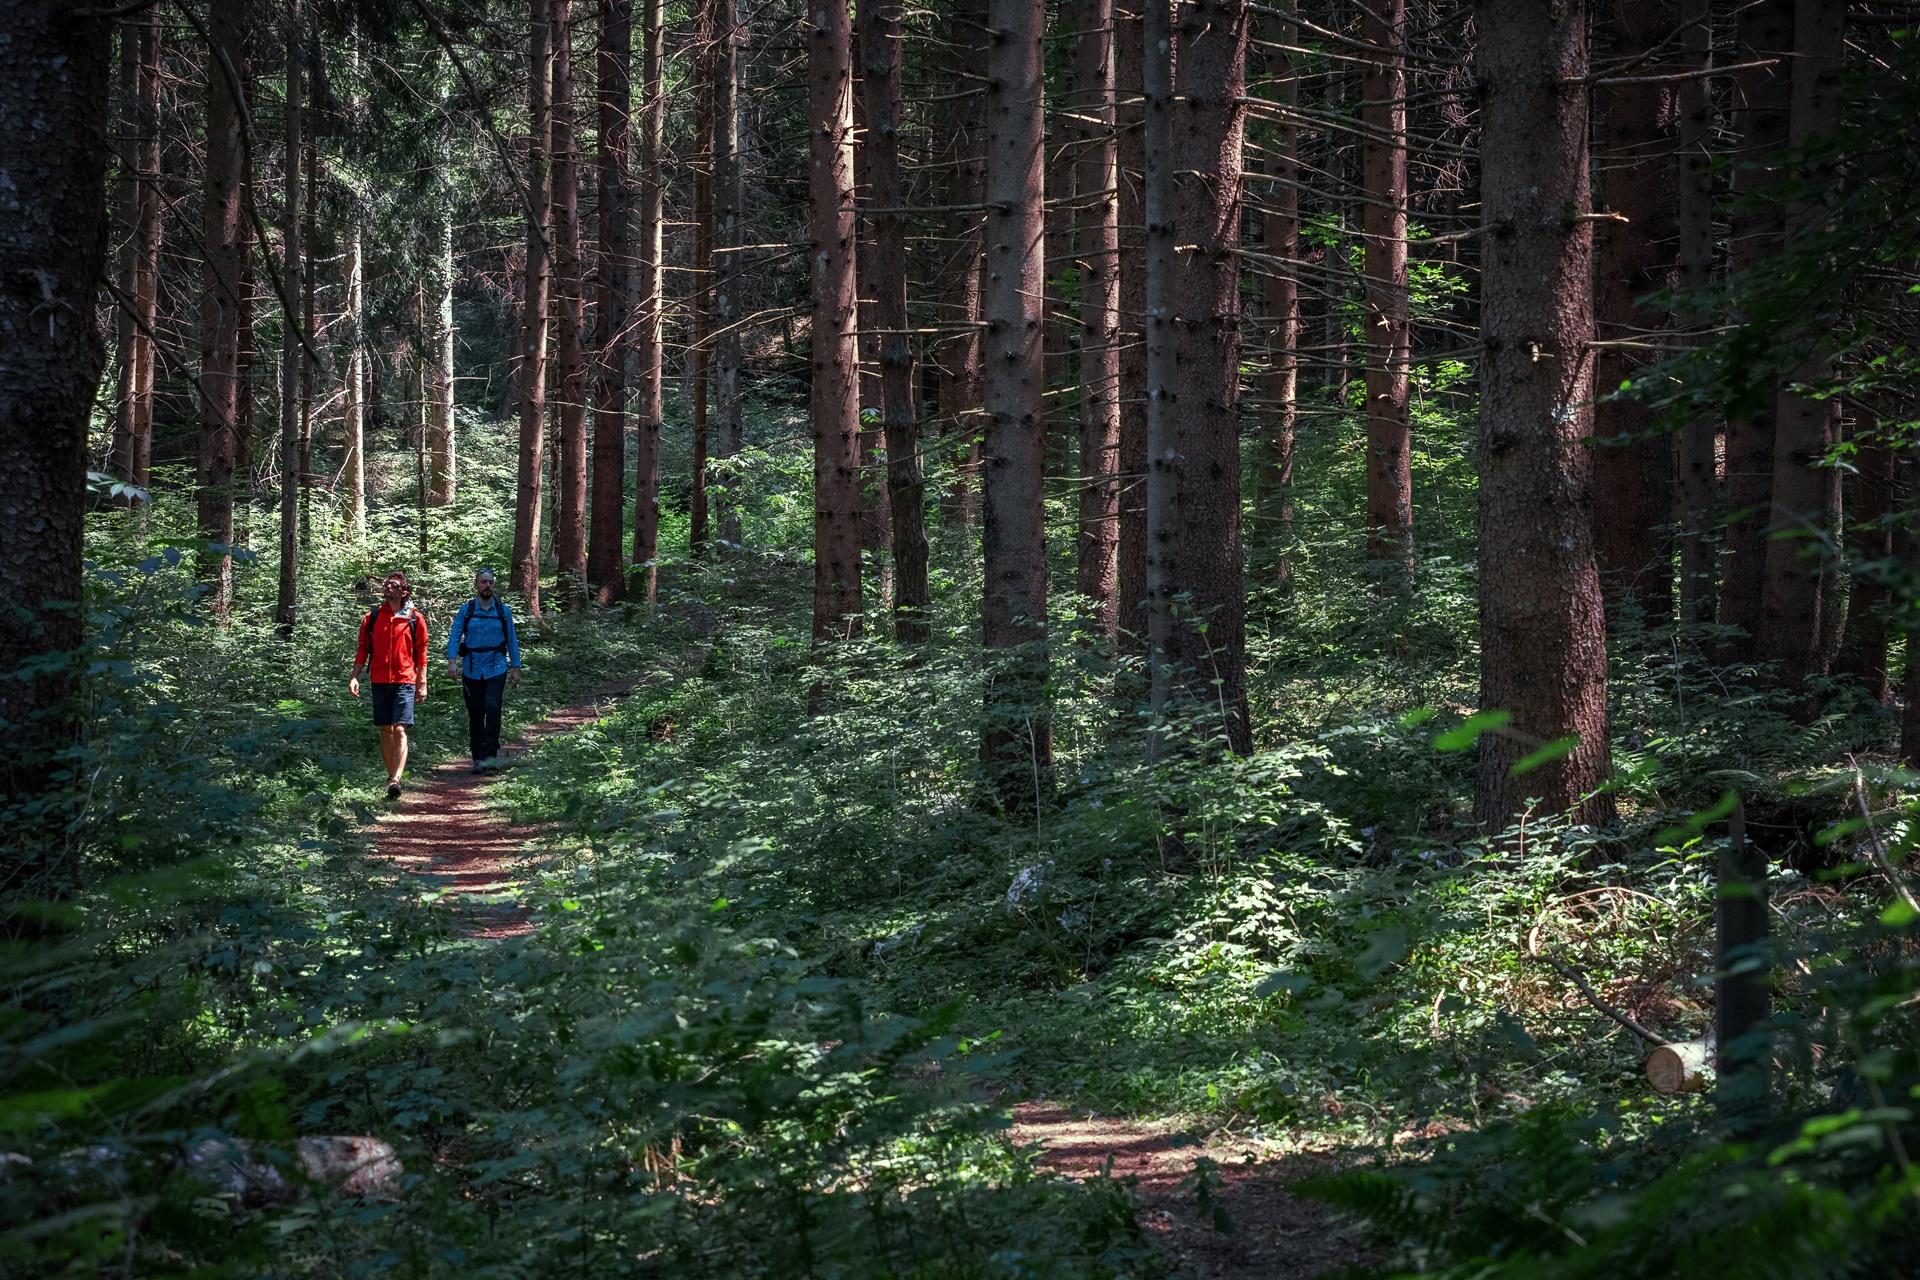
(835, 408)
(438, 333)
(309, 289)
(1696, 476)
(1130, 497)
(959, 348)
(647, 291)
(881, 48)
(729, 213)
(611, 305)
(533, 310)
(140, 258)
(225, 237)
(1387, 332)
(1863, 658)
(1195, 579)
(292, 341)
(1017, 734)
(569, 290)
(1543, 649)
(700, 292)
(1802, 519)
(1281, 385)
(1096, 152)
(1633, 460)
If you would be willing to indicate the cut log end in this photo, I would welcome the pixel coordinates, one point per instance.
(1686, 1067)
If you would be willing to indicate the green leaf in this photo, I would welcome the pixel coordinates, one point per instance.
(1545, 755)
(1899, 914)
(1468, 731)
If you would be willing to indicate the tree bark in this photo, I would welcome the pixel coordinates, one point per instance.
(1160, 445)
(611, 313)
(140, 259)
(1130, 549)
(1863, 656)
(647, 360)
(442, 444)
(1761, 107)
(1633, 460)
(224, 235)
(1698, 480)
(1387, 334)
(959, 351)
(1200, 641)
(1802, 518)
(882, 46)
(292, 354)
(1543, 650)
(53, 254)
(835, 407)
(1096, 152)
(570, 365)
(309, 243)
(700, 296)
(1281, 231)
(1017, 736)
(729, 212)
(533, 311)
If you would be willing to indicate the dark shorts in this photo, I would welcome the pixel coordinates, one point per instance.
(393, 704)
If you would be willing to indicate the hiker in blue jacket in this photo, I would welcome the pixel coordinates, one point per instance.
(484, 648)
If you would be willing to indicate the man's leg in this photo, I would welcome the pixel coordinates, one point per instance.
(392, 751)
(474, 694)
(399, 751)
(493, 697)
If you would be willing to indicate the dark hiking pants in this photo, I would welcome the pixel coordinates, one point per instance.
(483, 699)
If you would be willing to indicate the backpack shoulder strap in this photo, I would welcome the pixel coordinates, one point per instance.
(366, 634)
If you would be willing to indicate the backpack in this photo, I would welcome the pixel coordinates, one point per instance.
(498, 612)
(368, 635)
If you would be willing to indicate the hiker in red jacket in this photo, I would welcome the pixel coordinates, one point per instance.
(393, 651)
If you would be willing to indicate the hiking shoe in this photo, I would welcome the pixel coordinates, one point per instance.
(393, 791)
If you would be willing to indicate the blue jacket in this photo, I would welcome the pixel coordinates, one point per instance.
(484, 629)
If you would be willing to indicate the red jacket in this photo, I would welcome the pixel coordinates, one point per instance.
(393, 647)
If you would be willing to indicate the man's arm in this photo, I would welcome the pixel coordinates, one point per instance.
(362, 654)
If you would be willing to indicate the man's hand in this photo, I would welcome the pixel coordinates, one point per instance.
(353, 685)
(453, 667)
(513, 676)
(420, 692)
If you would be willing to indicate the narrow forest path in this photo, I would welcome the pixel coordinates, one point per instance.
(1246, 1225)
(443, 832)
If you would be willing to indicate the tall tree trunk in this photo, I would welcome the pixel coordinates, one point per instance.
(1200, 642)
(309, 243)
(881, 45)
(1543, 648)
(1863, 656)
(292, 357)
(1802, 517)
(139, 263)
(442, 445)
(1387, 337)
(1159, 320)
(611, 310)
(700, 296)
(353, 389)
(224, 235)
(1633, 463)
(533, 310)
(835, 408)
(570, 364)
(959, 350)
(1017, 734)
(1130, 549)
(1761, 106)
(53, 256)
(729, 191)
(647, 333)
(1281, 231)
(1096, 149)
(1698, 464)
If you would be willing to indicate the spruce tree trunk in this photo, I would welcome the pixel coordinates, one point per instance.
(1098, 256)
(225, 237)
(139, 264)
(533, 311)
(1697, 473)
(570, 364)
(309, 243)
(1802, 519)
(729, 201)
(835, 407)
(700, 296)
(1863, 656)
(959, 350)
(1543, 637)
(1759, 117)
(647, 333)
(1130, 547)
(353, 503)
(1017, 736)
(53, 255)
(611, 310)
(292, 357)
(1200, 640)
(1281, 231)
(1386, 333)
(442, 445)
(1160, 444)
(881, 46)
(1633, 457)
